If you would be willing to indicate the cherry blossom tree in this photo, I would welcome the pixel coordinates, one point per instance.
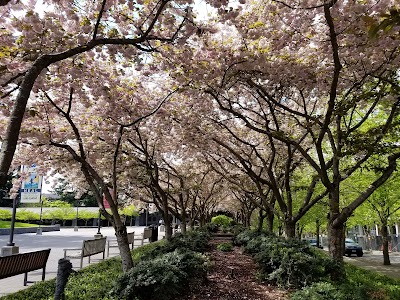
(307, 75)
(79, 128)
(38, 41)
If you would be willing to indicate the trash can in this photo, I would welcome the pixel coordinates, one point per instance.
(154, 233)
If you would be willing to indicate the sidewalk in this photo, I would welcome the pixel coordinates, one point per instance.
(57, 241)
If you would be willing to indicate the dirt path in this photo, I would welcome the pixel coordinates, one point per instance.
(233, 277)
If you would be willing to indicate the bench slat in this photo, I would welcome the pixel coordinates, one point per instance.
(23, 262)
(89, 248)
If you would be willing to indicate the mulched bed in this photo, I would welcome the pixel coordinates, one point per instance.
(233, 277)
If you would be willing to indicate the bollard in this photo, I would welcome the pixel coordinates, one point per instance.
(63, 272)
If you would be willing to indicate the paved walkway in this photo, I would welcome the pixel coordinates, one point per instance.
(57, 241)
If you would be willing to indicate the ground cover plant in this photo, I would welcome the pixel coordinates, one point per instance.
(225, 247)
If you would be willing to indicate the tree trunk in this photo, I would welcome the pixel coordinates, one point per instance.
(183, 225)
(336, 249)
(270, 221)
(203, 220)
(385, 244)
(168, 230)
(122, 240)
(167, 223)
(290, 228)
(261, 218)
(280, 229)
(317, 225)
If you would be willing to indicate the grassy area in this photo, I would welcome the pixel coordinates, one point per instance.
(7, 224)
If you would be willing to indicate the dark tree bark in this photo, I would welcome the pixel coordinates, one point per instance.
(261, 218)
(385, 244)
(317, 227)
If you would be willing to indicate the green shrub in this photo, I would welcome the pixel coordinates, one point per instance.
(246, 235)
(237, 229)
(165, 277)
(287, 262)
(144, 251)
(95, 281)
(298, 269)
(226, 247)
(319, 291)
(5, 214)
(191, 240)
(222, 220)
(259, 244)
(209, 227)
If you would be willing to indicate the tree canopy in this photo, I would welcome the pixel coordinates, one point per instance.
(266, 106)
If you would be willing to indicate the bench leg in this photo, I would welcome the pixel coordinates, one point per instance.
(108, 251)
(44, 274)
(81, 261)
(104, 254)
(25, 278)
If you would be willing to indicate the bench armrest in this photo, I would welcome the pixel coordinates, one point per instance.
(72, 249)
(65, 250)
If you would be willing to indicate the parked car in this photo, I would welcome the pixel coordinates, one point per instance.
(313, 242)
(351, 247)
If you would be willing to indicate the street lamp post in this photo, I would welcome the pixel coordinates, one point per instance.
(147, 212)
(14, 211)
(11, 248)
(98, 235)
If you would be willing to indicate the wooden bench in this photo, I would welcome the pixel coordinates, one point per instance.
(146, 235)
(114, 244)
(89, 248)
(23, 263)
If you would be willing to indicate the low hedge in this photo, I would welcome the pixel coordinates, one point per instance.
(97, 280)
(192, 240)
(289, 263)
(162, 278)
(294, 264)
